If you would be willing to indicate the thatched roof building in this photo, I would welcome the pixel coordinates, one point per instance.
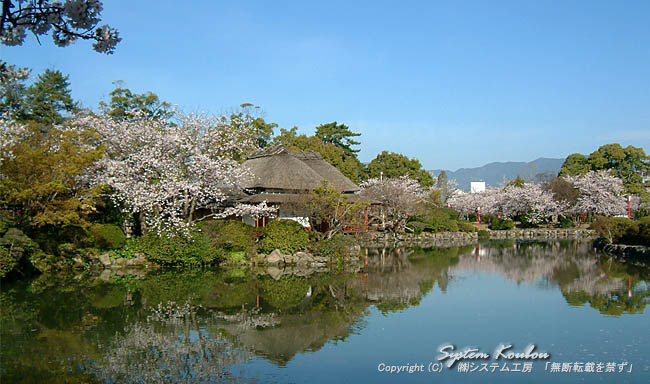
(278, 170)
(283, 178)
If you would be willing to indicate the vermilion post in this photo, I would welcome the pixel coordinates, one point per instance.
(479, 217)
(629, 207)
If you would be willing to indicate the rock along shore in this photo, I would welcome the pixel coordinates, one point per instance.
(452, 239)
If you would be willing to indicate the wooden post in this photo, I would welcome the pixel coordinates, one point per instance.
(263, 221)
(257, 222)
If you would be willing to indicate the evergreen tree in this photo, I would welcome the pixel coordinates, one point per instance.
(123, 101)
(390, 164)
(49, 98)
(339, 135)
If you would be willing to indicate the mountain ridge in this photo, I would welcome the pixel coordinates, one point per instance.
(496, 173)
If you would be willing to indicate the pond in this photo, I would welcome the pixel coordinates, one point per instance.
(578, 313)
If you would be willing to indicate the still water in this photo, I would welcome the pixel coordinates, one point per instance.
(241, 325)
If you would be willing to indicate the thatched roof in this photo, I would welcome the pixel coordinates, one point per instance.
(277, 168)
(299, 198)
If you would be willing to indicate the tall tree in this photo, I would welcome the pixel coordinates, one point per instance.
(41, 173)
(166, 172)
(49, 98)
(69, 21)
(629, 164)
(392, 165)
(124, 102)
(12, 91)
(254, 116)
(339, 135)
(575, 164)
(350, 166)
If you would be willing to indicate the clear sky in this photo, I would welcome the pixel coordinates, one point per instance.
(454, 84)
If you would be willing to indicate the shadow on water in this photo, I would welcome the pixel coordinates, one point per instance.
(179, 326)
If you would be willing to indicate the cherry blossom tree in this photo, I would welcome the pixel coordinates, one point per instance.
(467, 204)
(600, 193)
(529, 200)
(11, 132)
(166, 172)
(401, 198)
(68, 20)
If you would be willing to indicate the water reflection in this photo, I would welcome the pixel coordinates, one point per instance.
(584, 276)
(193, 326)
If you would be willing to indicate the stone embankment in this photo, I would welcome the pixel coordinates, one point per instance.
(277, 264)
(458, 239)
(623, 251)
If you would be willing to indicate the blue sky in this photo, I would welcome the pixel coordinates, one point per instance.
(454, 84)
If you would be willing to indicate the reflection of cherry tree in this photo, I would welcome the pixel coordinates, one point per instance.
(170, 347)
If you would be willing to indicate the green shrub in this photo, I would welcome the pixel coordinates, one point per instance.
(333, 248)
(502, 224)
(230, 234)
(643, 234)
(129, 251)
(235, 258)
(173, 250)
(287, 236)
(107, 236)
(565, 222)
(14, 246)
(437, 220)
(8, 261)
(614, 228)
(466, 226)
(4, 226)
(638, 233)
(417, 226)
(483, 234)
(488, 219)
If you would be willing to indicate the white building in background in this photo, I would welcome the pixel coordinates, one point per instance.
(477, 187)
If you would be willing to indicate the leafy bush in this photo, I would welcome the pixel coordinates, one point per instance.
(230, 234)
(129, 251)
(437, 220)
(286, 235)
(8, 261)
(613, 228)
(4, 226)
(417, 226)
(638, 233)
(488, 219)
(107, 236)
(172, 250)
(483, 234)
(466, 226)
(565, 222)
(502, 224)
(333, 248)
(15, 247)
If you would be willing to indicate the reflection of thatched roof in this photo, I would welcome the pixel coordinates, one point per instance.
(276, 168)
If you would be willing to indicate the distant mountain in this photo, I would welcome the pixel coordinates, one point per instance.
(495, 174)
